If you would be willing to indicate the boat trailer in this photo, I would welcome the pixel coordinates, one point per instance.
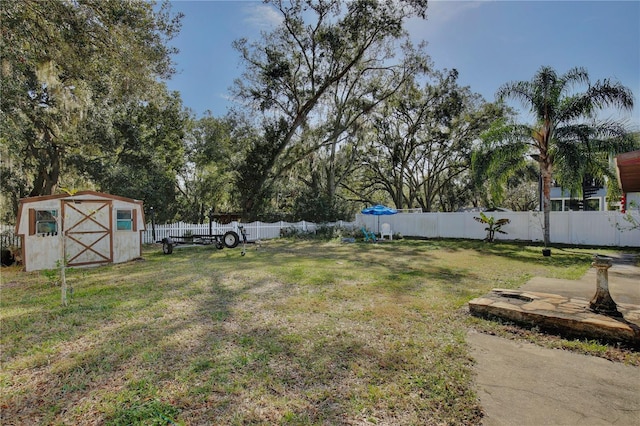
(229, 239)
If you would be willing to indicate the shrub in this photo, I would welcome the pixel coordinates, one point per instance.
(493, 225)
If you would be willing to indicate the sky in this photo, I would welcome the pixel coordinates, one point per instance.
(490, 43)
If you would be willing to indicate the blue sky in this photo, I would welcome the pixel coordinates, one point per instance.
(488, 42)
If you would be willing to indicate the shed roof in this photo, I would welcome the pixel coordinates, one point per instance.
(78, 195)
(628, 170)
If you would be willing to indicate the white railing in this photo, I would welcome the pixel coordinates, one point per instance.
(7, 228)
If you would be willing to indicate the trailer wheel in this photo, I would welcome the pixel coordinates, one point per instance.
(167, 247)
(231, 239)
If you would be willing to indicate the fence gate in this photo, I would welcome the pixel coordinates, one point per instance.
(87, 231)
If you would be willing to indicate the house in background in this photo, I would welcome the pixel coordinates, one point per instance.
(594, 197)
(87, 228)
(595, 193)
(628, 170)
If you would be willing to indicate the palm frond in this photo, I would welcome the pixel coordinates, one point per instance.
(502, 155)
(612, 137)
(545, 90)
(572, 108)
(569, 163)
(605, 94)
(575, 76)
(574, 133)
(517, 90)
(605, 136)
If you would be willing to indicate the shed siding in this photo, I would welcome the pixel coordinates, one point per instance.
(45, 251)
(39, 251)
(127, 244)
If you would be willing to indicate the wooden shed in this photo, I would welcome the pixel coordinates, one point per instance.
(93, 228)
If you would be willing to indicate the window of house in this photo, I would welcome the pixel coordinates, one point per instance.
(45, 222)
(572, 205)
(556, 205)
(592, 204)
(124, 220)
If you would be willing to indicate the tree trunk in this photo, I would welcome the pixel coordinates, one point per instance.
(545, 169)
(46, 179)
(53, 176)
(331, 174)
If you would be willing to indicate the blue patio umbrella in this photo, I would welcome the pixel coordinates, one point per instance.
(379, 210)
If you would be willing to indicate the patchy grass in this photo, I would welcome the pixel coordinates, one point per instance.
(301, 332)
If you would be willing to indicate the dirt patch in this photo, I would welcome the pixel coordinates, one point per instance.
(11, 284)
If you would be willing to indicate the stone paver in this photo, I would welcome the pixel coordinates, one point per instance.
(564, 305)
(566, 315)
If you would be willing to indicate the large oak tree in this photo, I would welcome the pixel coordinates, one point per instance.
(318, 45)
(67, 68)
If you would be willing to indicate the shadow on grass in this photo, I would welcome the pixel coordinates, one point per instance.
(166, 341)
(204, 334)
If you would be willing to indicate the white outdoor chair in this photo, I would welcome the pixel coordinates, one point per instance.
(385, 229)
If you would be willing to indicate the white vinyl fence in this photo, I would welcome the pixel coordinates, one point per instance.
(255, 230)
(597, 228)
(7, 237)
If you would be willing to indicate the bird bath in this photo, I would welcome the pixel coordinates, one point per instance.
(602, 302)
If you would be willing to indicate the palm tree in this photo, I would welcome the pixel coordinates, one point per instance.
(565, 131)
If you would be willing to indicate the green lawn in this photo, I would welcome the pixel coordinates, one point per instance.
(297, 332)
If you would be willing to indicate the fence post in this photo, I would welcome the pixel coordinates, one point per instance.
(570, 229)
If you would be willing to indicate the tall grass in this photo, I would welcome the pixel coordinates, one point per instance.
(302, 332)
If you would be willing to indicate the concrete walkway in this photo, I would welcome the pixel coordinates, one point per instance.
(524, 384)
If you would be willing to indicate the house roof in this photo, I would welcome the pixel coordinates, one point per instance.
(628, 170)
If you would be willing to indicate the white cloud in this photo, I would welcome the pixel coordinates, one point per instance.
(261, 16)
(442, 13)
(447, 10)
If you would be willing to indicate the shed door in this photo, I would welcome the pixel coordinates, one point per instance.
(87, 231)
